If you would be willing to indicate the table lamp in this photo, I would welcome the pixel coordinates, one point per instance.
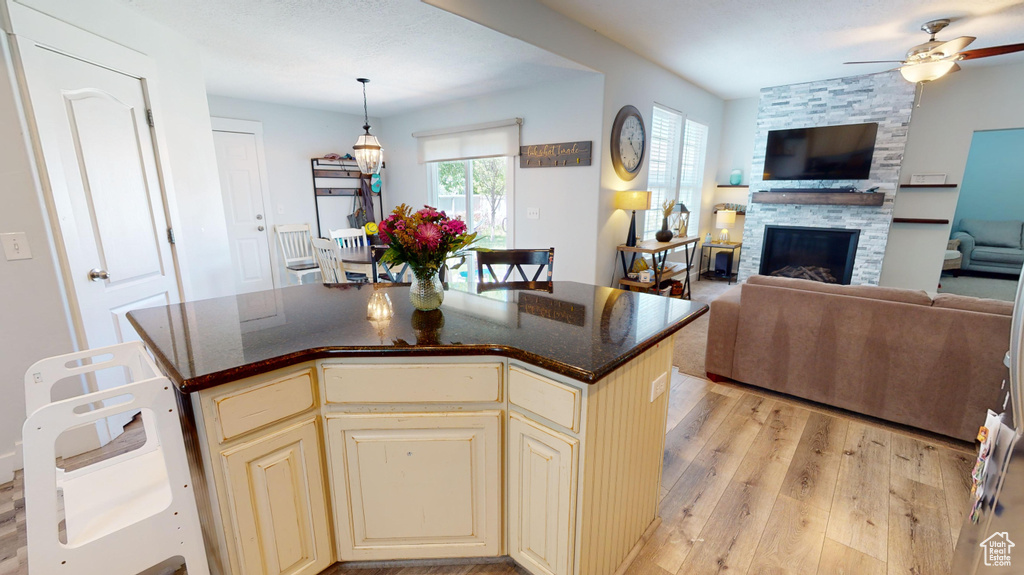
(724, 219)
(632, 200)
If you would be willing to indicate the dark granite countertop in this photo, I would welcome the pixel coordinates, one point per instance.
(581, 331)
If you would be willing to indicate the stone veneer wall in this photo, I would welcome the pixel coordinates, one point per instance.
(884, 98)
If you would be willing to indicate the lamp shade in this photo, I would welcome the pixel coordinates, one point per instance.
(725, 218)
(928, 71)
(633, 200)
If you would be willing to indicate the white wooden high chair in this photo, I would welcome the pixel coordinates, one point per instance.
(122, 515)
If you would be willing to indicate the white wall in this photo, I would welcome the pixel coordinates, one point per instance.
(739, 127)
(567, 197)
(739, 124)
(31, 296)
(951, 110)
(291, 137)
(629, 79)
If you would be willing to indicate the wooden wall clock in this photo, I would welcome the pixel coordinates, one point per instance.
(629, 142)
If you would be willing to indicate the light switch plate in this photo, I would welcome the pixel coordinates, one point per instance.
(533, 213)
(658, 386)
(16, 246)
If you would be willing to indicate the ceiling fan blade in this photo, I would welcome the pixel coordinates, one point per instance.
(993, 51)
(952, 47)
(877, 62)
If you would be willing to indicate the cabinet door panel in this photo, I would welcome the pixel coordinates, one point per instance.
(417, 485)
(278, 504)
(542, 497)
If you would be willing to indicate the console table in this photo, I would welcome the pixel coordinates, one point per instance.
(662, 270)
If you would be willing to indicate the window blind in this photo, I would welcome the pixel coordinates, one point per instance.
(691, 178)
(663, 165)
(490, 140)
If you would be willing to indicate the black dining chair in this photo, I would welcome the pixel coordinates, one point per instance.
(514, 260)
(384, 272)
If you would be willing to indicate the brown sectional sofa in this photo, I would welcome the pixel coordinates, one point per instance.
(896, 354)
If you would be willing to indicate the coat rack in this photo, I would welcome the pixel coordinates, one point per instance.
(350, 182)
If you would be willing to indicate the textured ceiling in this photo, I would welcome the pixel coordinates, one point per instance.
(308, 53)
(736, 47)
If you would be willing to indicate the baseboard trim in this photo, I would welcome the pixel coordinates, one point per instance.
(9, 462)
(635, 551)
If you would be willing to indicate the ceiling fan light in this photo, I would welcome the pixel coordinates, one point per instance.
(927, 71)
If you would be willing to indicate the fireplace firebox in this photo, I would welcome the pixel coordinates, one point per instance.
(820, 254)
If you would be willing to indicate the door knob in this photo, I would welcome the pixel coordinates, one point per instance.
(259, 229)
(96, 274)
(259, 216)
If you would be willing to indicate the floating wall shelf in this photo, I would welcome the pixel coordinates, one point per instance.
(918, 221)
(928, 186)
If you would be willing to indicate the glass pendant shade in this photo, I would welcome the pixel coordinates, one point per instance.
(369, 155)
(928, 71)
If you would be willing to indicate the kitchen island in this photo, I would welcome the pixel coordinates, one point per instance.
(520, 423)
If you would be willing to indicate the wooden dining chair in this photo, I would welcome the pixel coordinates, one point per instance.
(328, 257)
(514, 260)
(353, 238)
(296, 249)
(384, 272)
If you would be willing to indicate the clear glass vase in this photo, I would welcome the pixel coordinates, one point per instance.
(426, 292)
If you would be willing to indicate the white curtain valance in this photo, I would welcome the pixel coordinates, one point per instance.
(489, 140)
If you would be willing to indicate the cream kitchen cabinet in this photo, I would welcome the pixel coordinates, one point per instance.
(278, 504)
(542, 487)
(416, 485)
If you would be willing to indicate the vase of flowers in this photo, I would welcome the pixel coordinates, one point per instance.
(423, 239)
(665, 234)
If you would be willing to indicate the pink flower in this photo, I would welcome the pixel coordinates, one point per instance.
(457, 227)
(400, 225)
(429, 234)
(429, 212)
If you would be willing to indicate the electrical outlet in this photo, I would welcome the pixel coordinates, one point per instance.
(16, 246)
(533, 213)
(658, 386)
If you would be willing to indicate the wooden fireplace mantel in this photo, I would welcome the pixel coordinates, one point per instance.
(820, 198)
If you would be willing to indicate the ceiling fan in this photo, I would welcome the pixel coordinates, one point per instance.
(934, 59)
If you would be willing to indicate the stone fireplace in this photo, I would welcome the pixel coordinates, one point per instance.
(882, 98)
(820, 254)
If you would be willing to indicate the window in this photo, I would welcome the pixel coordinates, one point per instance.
(479, 191)
(676, 171)
(663, 171)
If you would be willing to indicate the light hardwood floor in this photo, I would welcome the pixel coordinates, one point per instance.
(753, 483)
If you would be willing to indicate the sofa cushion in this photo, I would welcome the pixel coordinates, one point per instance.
(992, 233)
(898, 295)
(1011, 256)
(978, 304)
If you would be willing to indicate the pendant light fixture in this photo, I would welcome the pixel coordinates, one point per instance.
(369, 154)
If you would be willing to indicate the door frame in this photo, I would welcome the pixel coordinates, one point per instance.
(256, 129)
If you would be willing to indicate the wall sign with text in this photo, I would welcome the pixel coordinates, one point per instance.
(555, 155)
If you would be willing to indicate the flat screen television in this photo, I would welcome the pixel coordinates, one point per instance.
(823, 153)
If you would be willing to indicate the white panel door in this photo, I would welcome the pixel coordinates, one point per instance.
(542, 475)
(242, 190)
(100, 166)
(416, 485)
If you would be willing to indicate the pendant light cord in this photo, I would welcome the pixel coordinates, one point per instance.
(366, 114)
